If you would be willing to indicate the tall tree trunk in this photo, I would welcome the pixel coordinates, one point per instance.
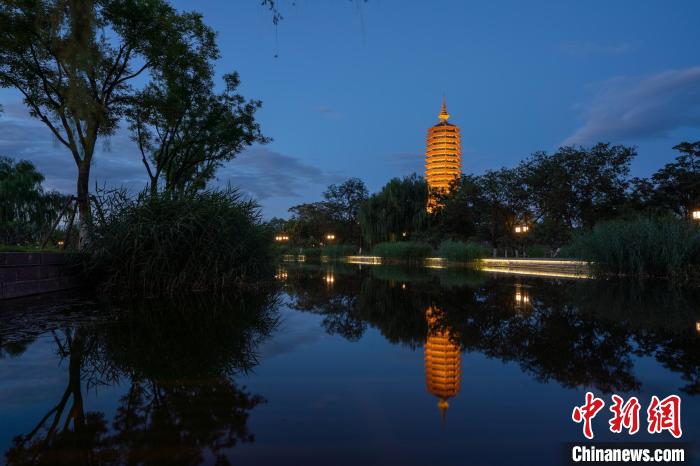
(84, 202)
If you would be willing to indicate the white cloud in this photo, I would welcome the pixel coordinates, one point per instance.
(627, 109)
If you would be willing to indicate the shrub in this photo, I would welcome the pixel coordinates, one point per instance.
(311, 253)
(658, 247)
(339, 250)
(162, 244)
(462, 252)
(406, 250)
(536, 250)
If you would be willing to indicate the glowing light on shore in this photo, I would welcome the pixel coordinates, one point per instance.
(364, 260)
(435, 262)
(281, 238)
(534, 273)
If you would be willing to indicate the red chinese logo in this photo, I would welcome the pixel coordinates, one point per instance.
(665, 415)
(625, 415)
(587, 412)
(662, 415)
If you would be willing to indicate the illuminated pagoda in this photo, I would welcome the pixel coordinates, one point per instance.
(443, 154)
(443, 362)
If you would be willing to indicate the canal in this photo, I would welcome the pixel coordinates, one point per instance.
(344, 364)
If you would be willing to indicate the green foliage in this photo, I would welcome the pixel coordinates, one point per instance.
(337, 214)
(575, 187)
(645, 246)
(26, 211)
(536, 250)
(462, 252)
(76, 64)
(166, 245)
(400, 207)
(405, 250)
(312, 253)
(339, 250)
(676, 186)
(185, 131)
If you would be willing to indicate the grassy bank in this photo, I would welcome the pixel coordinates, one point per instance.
(404, 250)
(646, 247)
(462, 252)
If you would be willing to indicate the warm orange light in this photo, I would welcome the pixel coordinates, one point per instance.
(330, 237)
(443, 360)
(329, 278)
(522, 229)
(697, 326)
(60, 243)
(696, 215)
(281, 238)
(443, 155)
(522, 296)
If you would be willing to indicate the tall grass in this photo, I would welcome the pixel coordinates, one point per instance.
(653, 247)
(462, 252)
(405, 250)
(339, 250)
(166, 245)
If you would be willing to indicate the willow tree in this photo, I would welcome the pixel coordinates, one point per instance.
(399, 207)
(76, 63)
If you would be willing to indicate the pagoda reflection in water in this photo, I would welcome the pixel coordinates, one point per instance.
(442, 361)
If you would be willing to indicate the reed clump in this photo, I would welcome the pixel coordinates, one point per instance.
(459, 251)
(166, 244)
(645, 246)
(403, 250)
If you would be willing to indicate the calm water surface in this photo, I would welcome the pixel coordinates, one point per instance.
(342, 365)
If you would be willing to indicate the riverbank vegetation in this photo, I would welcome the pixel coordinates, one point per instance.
(166, 244)
(643, 246)
(410, 251)
(459, 251)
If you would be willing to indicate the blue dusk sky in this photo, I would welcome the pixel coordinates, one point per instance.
(350, 87)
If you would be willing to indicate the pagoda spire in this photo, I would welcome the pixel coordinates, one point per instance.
(444, 116)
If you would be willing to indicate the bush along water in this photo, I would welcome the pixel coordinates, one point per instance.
(404, 250)
(167, 244)
(459, 251)
(646, 246)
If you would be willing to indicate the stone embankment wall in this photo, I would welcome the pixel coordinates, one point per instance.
(26, 274)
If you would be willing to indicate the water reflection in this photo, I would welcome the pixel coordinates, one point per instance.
(179, 362)
(577, 333)
(443, 361)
